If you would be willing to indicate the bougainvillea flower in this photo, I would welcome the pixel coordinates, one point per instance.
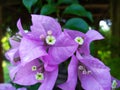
(115, 83)
(46, 36)
(92, 73)
(32, 73)
(84, 40)
(45, 39)
(8, 86)
(13, 54)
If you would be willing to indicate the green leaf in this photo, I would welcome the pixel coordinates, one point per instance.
(67, 1)
(29, 3)
(48, 9)
(92, 48)
(77, 9)
(89, 16)
(34, 87)
(77, 24)
(49, 1)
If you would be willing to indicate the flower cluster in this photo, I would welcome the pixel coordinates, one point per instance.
(36, 54)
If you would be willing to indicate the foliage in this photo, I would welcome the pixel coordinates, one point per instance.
(5, 43)
(70, 7)
(79, 10)
(29, 3)
(77, 24)
(48, 9)
(5, 65)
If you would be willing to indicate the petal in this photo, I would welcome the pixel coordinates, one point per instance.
(13, 70)
(21, 30)
(71, 82)
(6, 86)
(30, 50)
(50, 79)
(38, 30)
(91, 35)
(73, 33)
(88, 82)
(62, 50)
(21, 89)
(48, 23)
(23, 75)
(49, 67)
(14, 43)
(12, 54)
(94, 35)
(84, 49)
(101, 73)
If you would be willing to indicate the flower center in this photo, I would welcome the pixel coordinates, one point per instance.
(79, 40)
(34, 68)
(114, 84)
(38, 70)
(39, 76)
(50, 40)
(83, 70)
